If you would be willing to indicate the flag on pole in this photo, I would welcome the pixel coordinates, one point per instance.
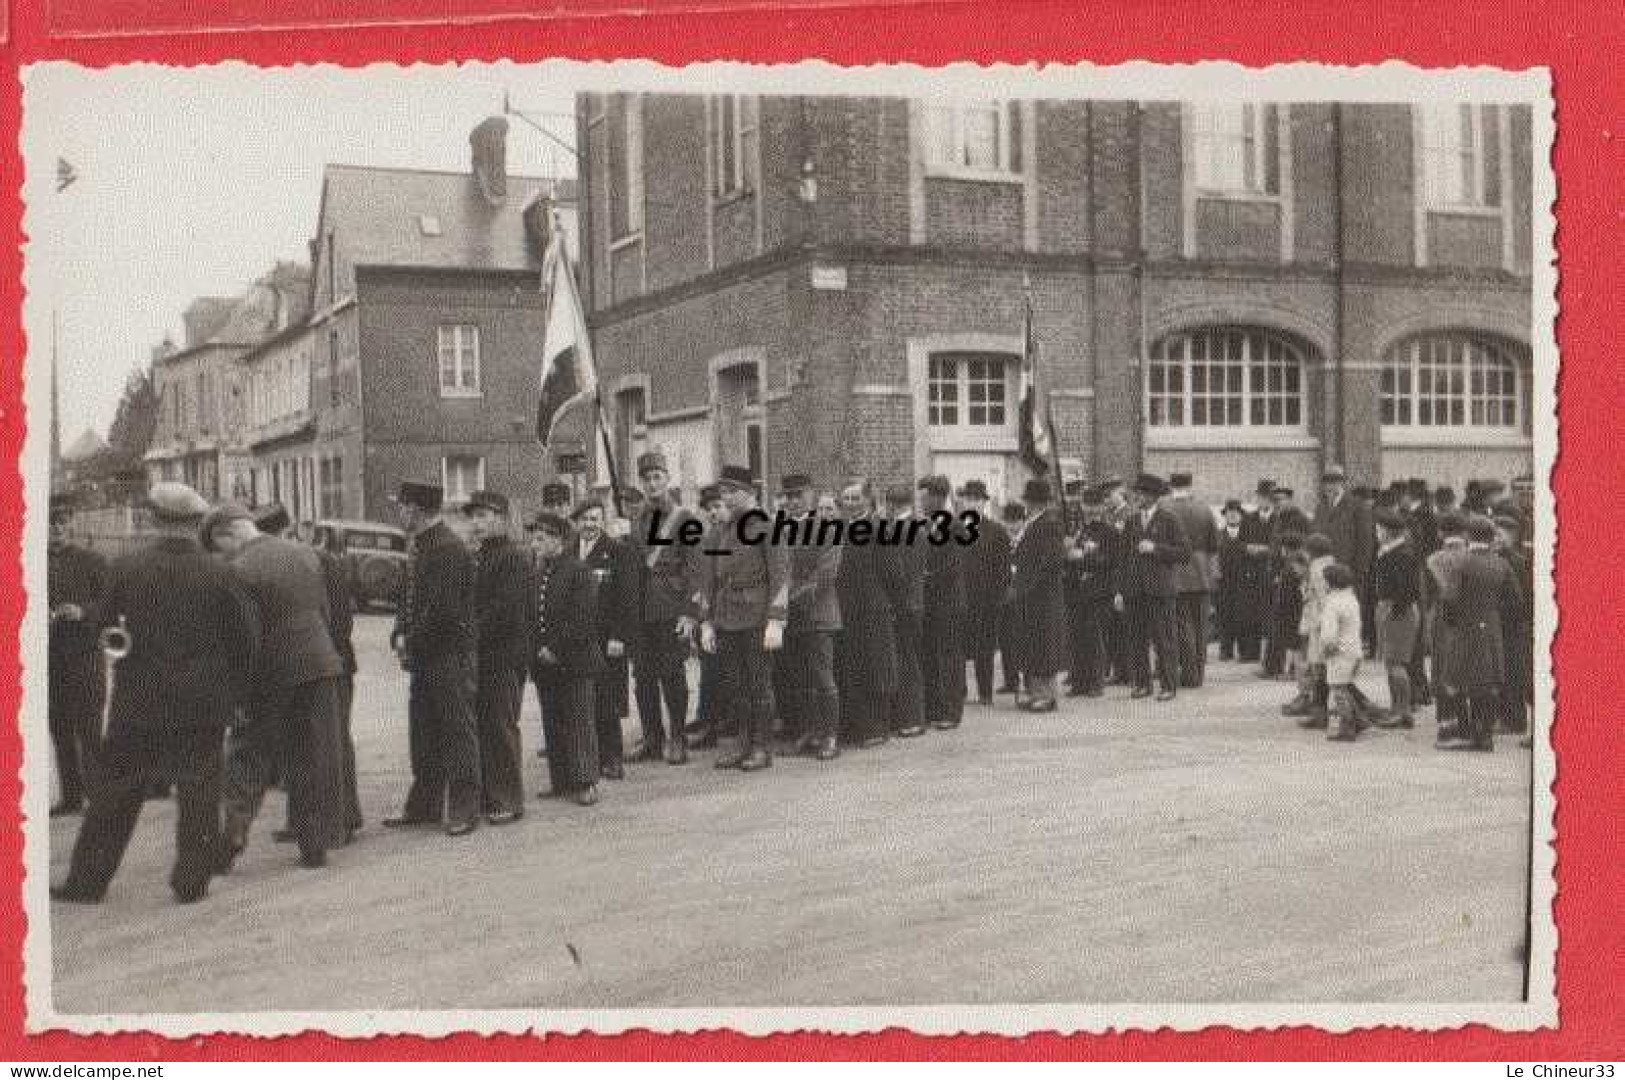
(1037, 448)
(567, 412)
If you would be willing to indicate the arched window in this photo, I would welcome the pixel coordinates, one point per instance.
(1226, 377)
(1451, 379)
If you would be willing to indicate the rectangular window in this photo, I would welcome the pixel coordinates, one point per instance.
(459, 360)
(1236, 148)
(1461, 156)
(461, 476)
(969, 390)
(734, 124)
(625, 122)
(982, 139)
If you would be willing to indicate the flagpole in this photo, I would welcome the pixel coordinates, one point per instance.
(1031, 344)
(598, 393)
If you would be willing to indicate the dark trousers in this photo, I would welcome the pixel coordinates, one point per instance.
(1119, 646)
(808, 663)
(1152, 623)
(908, 703)
(659, 676)
(1090, 658)
(445, 747)
(862, 704)
(131, 761)
(295, 732)
(1191, 610)
(609, 705)
(711, 711)
(981, 642)
(567, 702)
(942, 666)
(76, 700)
(499, 693)
(352, 799)
(1009, 665)
(742, 667)
(1241, 631)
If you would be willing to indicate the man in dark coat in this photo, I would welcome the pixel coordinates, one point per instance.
(1015, 519)
(1153, 545)
(743, 606)
(1193, 578)
(1242, 594)
(1037, 562)
(1345, 518)
(502, 612)
(1283, 519)
(1517, 631)
(1486, 595)
(436, 641)
(866, 649)
(905, 573)
(566, 661)
(664, 622)
(942, 648)
(614, 570)
(193, 636)
(293, 727)
(708, 710)
(987, 577)
(341, 626)
(814, 620)
(1094, 558)
(1440, 578)
(1423, 524)
(74, 579)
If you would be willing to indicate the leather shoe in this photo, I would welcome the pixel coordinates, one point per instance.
(407, 821)
(677, 754)
(1141, 692)
(649, 752)
(504, 817)
(314, 860)
(64, 809)
(1044, 705)
(613, 771)
(826, 750)
(871, 742)
(225, 854)
(191, 894)
(730, 761)
(1313, 722)
(68, 895)
(587, 796)
(755, 760)
(284, 836)
(910, 732)
(1165, 695)
(462, 828)
(944, 725)
(986, 700)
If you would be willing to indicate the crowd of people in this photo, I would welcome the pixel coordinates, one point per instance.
(239, 671)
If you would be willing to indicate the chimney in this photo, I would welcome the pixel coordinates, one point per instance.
(488, 143)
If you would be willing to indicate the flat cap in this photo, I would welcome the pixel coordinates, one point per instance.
(710, 493)
(494, 501)
(973, 489)
(1036, 491)
(225, 514)
(272, 518)
(1150, 484)
(651, 460)
(423, 496)
(175, 502)
(1180, 480)
(794, 482)
(1232, 504)
(736, 476)
(554, 493)
(1334, 473)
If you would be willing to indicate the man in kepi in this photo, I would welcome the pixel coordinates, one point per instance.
(435, 638)
(665, 614)
(193, 637)
(74, 579)
(743, 605)
(503, 585)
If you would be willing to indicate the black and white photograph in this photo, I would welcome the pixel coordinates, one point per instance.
(565, 547)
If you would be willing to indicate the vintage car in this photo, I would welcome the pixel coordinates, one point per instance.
(374, 554)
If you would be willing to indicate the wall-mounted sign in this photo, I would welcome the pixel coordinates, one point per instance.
(831, 278)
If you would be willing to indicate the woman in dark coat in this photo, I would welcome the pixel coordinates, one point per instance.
(866, 648)
(567, 662)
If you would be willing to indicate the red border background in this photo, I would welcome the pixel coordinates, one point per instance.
(1581, 42)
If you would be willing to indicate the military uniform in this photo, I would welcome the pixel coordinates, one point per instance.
(613, 568)
(1193, 580)
(665, 574)
(194, 642)
(502, 615)
(75, 576)
(564, 624)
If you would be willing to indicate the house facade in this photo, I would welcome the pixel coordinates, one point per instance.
(836, 285)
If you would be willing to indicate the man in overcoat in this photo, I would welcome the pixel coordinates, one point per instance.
(566, 661)
(942, 644)
(1285, 520)
(987, 578)
(502, 613)
(1242, 592)
(194, 641)
(436, 639)
(866, 649)
(1345, 519)
(613, 568)
(1485, 596)
(1094, 558)
(74, 579)
(664, 614)
(905, 567)
(1038, 560)
(1153, 545)
(814, 620)
(1193, 578)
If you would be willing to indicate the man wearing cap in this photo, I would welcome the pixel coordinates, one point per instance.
(613, 568)
(74, 579)
(1094, 558)
(503, 588)
(1484, 597)
(566, 660)
(665, 613)
(1423, 526)
(436, 641)
(558, 498)
(1345, 519)
(1153, 545)
(1014, 517)
(987, 577)
(193, 636)
(294, 712)
(942, 647)
(808, 657)
(1193, 578)
(1037, 562)
(743, 604)
(866, 650)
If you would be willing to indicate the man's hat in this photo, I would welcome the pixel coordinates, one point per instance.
(1334, 474)
(1480, 530)
(1094, 495)
(654, 459)
(1111, 480)
(899, 495)
(792, 482)
(1036, 491)
(710, 493)
(272, 518)
(1416, 487)
(1281, 489)
(737, 476)
(1266, 487)
(1149, 484)
(218, 518)
(588, 504)
(1179, 480)
(549, 521)
(423, 496)
(1013, 512)
(1389, 519)
(973, 489)
(555, 493)
(1509, 522)
(1445, 494)
(175, 503)
(494, 501)
(935, 485)
(1232, 504)
(1452, 523)
(632, 495)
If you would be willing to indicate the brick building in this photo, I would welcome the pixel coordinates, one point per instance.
(420, 358)
(835, 284)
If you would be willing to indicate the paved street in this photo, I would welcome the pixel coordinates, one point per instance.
(1114, 851)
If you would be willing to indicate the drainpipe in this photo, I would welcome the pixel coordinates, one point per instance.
(1339, 426)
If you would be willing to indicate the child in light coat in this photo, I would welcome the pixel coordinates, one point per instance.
(1340, 648)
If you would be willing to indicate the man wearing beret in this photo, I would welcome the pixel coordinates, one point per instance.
(987, 576)
(436, 641)
(743, 604)
(503, 588)
(942, 650)
(1037, 563)
(193, 643)
(664, 623)
(74, 579)
(1153, 545)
